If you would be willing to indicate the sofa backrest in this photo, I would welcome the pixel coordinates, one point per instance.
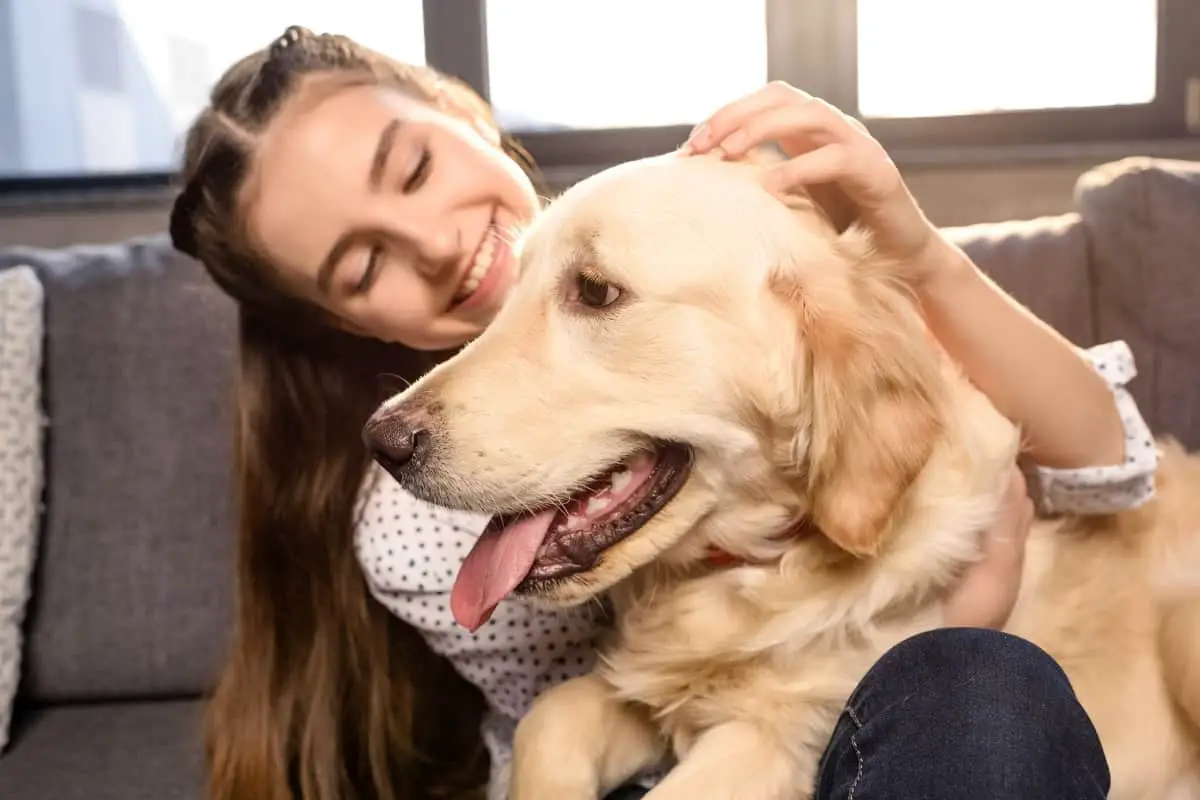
(1143, 223)
(132, 591)
(1043, 263)
(1126, 265)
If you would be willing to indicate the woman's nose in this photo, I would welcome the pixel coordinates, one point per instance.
(430, 231)
(438, 250)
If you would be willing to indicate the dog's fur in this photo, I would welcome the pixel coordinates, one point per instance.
(795, 364)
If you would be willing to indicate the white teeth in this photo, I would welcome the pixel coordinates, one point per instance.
(620, 480)
(479, 267)
(595, 505)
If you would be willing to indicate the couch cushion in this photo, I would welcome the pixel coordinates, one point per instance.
(133, 751)
(1143, 219)
(132, 589)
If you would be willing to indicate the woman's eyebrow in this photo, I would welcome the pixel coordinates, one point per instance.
(383, 149)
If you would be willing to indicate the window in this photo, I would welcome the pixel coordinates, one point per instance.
(91, 87)
(556, 65)
(586, 84)
(941, 73)
(98, 39)
(913, 62)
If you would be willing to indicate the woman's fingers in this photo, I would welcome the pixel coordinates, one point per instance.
(1005, 543)
(830, 154)
(731, 117)
(799, 127)
(988, 590)
(822, 143)
(826, 164)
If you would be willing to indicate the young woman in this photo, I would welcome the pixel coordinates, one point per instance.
(357, 210)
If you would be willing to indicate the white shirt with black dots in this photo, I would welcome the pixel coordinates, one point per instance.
(410, 552)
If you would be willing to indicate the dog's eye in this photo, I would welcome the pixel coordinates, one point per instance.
(594, 291)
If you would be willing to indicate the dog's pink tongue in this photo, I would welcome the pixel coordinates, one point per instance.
(500, 559)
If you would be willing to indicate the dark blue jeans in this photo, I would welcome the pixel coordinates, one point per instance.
(961, 713)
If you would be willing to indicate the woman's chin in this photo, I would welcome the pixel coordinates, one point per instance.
(449, 334)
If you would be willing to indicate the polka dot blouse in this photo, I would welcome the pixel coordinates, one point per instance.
(411, 552)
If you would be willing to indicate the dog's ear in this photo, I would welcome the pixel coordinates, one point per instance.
(872, 397)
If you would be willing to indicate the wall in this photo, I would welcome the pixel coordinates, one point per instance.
(60, 228)
(951, 195)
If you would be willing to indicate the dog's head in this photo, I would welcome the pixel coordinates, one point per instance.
(686, 362)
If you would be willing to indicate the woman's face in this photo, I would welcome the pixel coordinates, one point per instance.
(394, 216)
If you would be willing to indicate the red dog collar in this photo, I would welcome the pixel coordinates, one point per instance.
(720, 559)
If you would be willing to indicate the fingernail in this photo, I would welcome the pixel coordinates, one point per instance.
(699, 136)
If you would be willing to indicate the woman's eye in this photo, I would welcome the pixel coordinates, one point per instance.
(368, 276)
(419, 173)
(595, 292)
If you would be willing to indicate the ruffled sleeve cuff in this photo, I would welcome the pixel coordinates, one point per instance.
(1117, 487)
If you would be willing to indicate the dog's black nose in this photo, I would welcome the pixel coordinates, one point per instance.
(395, 438)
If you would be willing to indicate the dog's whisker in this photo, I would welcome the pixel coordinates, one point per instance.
(404, 382)
(508, 235)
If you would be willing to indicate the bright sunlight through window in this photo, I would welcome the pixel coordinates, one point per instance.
(621, 63)
(919, 58)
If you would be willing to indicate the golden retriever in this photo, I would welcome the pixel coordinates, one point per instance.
(727, 417)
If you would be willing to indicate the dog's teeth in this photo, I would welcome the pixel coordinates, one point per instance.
(620, 480)
(595, 505)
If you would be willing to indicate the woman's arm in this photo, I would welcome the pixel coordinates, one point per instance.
(1034, 376)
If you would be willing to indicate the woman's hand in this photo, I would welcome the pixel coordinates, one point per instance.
(833, 158)
(987, 591)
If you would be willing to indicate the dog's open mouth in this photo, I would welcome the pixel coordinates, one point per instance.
(519, 552)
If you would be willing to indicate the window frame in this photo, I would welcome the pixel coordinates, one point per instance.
(811, 44)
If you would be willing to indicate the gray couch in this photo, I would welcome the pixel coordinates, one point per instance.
(132, 594)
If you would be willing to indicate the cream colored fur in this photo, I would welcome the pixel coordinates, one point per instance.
(794, 363)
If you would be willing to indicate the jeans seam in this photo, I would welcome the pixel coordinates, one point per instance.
(857, 751)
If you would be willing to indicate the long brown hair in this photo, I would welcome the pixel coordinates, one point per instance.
(325, 695)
